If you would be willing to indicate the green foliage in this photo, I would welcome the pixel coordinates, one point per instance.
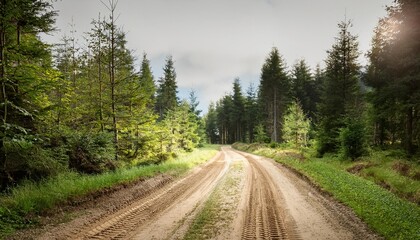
(210, 120)
(182, 128)
(296, 126)
(166, 98)
(274, 93)
(304, 88)
(25, 159)
(261, 135)
(91, 152)
(341, 90)
(353, 139)
(393, 75)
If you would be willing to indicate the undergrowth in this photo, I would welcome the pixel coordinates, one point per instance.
(386, 213)
(17, 209)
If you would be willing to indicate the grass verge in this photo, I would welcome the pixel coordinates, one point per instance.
(17, 209)
(386, 213)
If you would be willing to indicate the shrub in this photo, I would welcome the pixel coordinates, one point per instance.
(25, 159)
(353, 141)
(91, 152)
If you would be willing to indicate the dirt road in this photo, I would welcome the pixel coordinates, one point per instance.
(273, 203)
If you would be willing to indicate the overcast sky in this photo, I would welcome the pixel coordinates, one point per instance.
(215, 41)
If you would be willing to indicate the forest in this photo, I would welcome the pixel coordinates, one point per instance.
(66, 108)
(343, 108)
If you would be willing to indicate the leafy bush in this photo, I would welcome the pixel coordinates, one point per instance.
(91, 152)
(353, 141)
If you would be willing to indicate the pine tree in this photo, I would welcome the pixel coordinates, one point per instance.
(167, 91)
(296, 126)
(394, 75)
(341, 90)
(147, 82)
(212, 130)
(25, 73)
(238, 112)
(304, 88)
(274, 93)
(252, 113)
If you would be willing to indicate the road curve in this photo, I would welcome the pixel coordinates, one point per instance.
(272, 203)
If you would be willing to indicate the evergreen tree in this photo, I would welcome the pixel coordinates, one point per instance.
(147, 82)
(167, 91)
(394, 73)
(341, 90)
(274, 93)
(296, 126)
(194, 104)
(252, 113)
(25, 74)
(212, 130)
(304, 88)
(238, 112)
(224, 109)
(183, 128)
(316, 92)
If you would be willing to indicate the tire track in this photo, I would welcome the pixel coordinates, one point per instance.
(121, 224)
(264, 216)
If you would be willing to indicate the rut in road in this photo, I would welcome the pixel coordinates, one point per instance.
(264, 216)
(124, 222)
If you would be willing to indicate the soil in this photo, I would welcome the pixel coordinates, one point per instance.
(272, 203)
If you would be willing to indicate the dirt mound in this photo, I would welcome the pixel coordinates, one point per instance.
(358, 167)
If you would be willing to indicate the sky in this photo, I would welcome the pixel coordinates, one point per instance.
(215, 41)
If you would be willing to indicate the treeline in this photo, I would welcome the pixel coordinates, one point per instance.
(83, 108)
(343, 107)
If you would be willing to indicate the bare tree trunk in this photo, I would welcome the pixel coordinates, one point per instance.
(101, 116)
(112, 78)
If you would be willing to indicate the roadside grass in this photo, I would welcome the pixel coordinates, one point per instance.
(386, 213)
(219, 209)
(18, 208)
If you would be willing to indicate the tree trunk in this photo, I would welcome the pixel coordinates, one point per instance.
(274, 137)
(112, 79)
(101, 117)
(409, 131)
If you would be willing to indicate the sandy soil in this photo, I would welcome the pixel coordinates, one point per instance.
(273, 203)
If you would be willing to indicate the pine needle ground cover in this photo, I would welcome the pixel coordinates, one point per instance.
(386, 213)
(17, 207)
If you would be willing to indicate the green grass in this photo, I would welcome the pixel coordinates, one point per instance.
(386, 213)
(18, 208)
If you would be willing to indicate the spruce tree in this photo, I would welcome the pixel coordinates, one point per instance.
(252, 113)
(296, 126)
(167, 91)
(147, 82)
(341, 89)
(274, 93)
(238, 112)
(304, 88)
(212, 130)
